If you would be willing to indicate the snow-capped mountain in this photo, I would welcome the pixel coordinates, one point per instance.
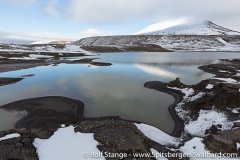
(205, 28)
(205, 36)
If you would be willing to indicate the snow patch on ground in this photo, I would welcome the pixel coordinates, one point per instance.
(197, 96)
(183, 114)
(196, 150)
(187, 91)
(206, 119)
(31, 57)
(39, 56)
(238, 145)
(209, 86)
(74, 48)
(157, 135)
(9, 136)
(44, 48)
(193, 146)
(23, 58)
(222, 71)
(228, 80)
(236, 110)
(66, 144)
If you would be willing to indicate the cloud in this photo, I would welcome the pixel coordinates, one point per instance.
(91, 32)
(37, 35)
(152, 11)
(51, 8)
(102, 11)
(155, 71)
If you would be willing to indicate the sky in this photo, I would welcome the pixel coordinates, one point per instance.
(38, 20)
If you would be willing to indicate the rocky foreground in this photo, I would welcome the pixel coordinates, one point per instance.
(206, 119)
(209, 109)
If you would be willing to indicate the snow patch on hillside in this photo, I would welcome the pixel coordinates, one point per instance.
(68, 48)
(206, 119)
(205, 28)
(9, 136)
(157, 135)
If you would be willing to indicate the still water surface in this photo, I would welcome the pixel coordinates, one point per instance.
(115, 90)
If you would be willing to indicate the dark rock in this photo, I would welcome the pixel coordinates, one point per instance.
(176, 83)
(213, 129)
(223, 141)
(45, 118)
(236, 124)
(19, 145)
(25, 140)
(47, 112)
(217, 144)
(6, 81)
(233, 134)
(119, 136)
(28, 75)
(219, 126)
(14, 149)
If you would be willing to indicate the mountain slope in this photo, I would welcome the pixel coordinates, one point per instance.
(205, 28)
(169, 42)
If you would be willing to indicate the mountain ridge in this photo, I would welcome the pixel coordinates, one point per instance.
(204, 28)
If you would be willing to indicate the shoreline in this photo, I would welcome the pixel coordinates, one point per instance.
(24, 60)
(178, 97)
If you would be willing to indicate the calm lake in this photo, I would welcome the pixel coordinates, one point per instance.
(115, 90)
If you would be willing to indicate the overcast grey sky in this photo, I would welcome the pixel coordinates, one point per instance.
(73, 19)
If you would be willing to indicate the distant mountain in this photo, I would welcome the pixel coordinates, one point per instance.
(51, 42)
(205, 28)
(5, 40)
